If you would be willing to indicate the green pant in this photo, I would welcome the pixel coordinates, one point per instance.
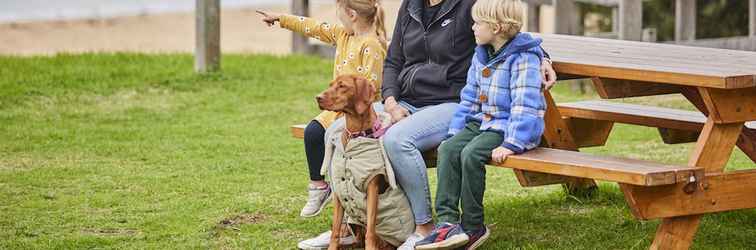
(462, 175)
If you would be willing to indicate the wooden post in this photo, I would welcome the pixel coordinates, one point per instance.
(566, 19)
(534, 17)
(685, 20)
(207, 51)
(752, 18)
(631, 19)
(300, 44)
(615, 20)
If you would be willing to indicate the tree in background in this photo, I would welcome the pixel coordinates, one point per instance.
(714, 18)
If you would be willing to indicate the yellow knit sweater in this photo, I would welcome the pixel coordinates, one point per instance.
(361, 55)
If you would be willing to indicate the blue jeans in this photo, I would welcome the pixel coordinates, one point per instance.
(404, 143)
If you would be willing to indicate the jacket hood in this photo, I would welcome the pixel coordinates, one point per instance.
(522, 42)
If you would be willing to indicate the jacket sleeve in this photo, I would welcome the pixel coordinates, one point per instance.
(394, 58)
(312, 28)
(469, 103)
(526, 123)
(371, 64)
(371, 61)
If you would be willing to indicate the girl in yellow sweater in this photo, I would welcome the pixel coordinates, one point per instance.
(360, 49)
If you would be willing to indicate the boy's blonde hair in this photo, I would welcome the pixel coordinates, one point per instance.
(371, 11)
(508, 14)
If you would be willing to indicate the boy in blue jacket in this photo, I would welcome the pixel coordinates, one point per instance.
(500, 113)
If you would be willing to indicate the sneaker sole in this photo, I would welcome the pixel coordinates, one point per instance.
(343, 244)
(480, 240)
(322, 205)
(453, 242)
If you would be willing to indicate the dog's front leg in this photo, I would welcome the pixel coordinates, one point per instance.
(371, 238)
(338, 216)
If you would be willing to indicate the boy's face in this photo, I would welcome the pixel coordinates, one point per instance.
(484, 32)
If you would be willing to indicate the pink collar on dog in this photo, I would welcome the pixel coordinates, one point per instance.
(379, 129)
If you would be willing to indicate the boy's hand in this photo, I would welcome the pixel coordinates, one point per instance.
(269, 17)
(499, 154)
(548, 74)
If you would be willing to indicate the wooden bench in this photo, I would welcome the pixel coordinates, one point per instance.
(674, 125)
(577, 164)
(575, 170)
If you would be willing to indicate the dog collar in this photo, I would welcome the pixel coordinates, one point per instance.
(375, 132)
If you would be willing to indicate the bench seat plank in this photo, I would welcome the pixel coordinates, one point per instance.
(297, 131)
(577, 164)
(637, 115)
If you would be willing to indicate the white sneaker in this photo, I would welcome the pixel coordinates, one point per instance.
(322, 241)
(409, 244)
(317, 200)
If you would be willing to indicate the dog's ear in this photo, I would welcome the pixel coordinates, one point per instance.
(363, 96)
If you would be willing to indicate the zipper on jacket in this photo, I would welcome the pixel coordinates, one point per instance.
(427, 47)
(411, 83)
(454, 32)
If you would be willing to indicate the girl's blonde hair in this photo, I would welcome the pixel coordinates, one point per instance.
(508, 14)
(371, 11)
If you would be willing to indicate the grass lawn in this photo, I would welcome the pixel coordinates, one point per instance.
(136, 151)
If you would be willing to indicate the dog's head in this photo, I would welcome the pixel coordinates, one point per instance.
(350, 94)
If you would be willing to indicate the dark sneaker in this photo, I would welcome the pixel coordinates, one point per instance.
(445, 236)
(477, 238)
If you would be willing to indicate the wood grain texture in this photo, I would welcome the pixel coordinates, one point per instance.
(634, 114)
(651, 62)
(728, 106)
(615, 88)
(589, 132)
(715, 145)
(571, 163)
(297, 131)
(716, 192)
(207, 36)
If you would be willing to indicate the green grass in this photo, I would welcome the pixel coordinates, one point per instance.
(136, 151)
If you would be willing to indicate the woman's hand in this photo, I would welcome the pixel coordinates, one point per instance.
(548, 74)
(500, 154)
(269, 18)
(396, 111)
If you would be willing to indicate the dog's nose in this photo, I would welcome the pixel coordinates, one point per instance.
(318, 98)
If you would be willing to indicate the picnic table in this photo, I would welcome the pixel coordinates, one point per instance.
(721, 84)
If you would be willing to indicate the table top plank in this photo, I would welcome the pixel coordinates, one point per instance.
(652, 62)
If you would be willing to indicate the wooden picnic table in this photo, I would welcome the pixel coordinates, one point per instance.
(721, 84)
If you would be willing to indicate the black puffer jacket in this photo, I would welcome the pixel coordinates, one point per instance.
(429, 66)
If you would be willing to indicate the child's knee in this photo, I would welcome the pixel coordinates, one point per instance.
(473, 156)
(448, 149)
(314, 131)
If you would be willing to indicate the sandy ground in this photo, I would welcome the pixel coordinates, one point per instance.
(241, 32)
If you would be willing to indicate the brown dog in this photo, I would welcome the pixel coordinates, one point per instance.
(353, 95)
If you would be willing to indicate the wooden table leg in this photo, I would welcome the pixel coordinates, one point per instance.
(747, 140)
(676, 232)
(712, 151)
